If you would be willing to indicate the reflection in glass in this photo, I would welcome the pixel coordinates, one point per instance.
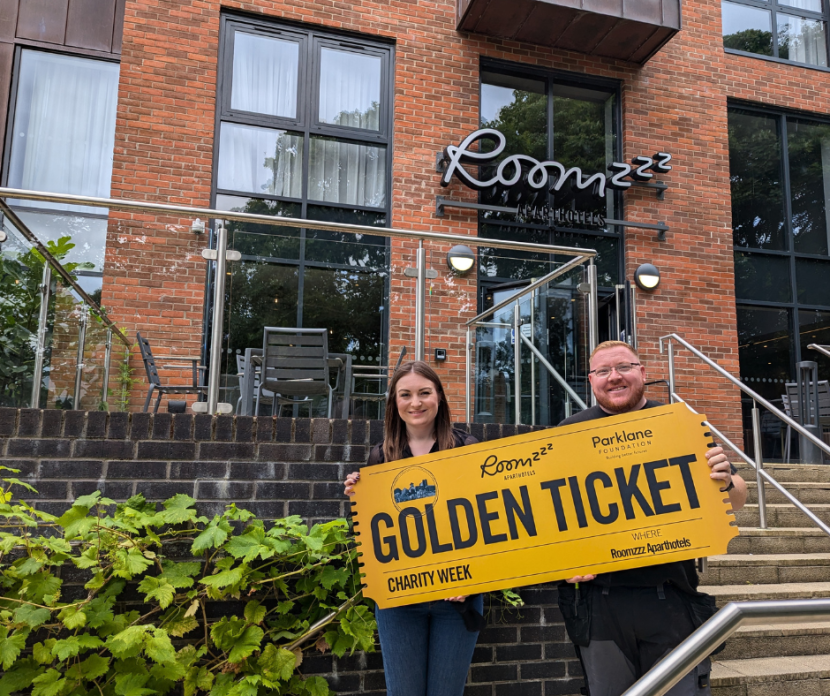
(762, 277)
(765, 345)
(252, 239)
(811, 5)
(350, 305)
(260, 160)
(265, 72)
(809, 157)
(747, 28)
(811, 281)
(756, 181)
(350, 89)
(802, 40)
(349, 173)
(814, 327)
(365, 251)
(517, 107)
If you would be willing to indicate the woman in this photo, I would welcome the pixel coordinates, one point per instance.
(426, 647)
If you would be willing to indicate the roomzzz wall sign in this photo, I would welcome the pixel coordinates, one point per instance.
(610, 494)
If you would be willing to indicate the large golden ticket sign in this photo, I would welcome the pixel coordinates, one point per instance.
(609, 494)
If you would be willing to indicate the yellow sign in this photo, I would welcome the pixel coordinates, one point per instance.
(609, 494)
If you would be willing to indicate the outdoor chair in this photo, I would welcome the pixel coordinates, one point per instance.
(370, 384)
(155, 381)
(295, 368)
(791, 408)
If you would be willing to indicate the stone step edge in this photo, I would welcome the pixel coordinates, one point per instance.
(782, 531)
(814, 628)
(782, 560)
(770, 669)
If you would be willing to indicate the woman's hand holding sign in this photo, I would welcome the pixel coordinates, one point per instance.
(351, 482)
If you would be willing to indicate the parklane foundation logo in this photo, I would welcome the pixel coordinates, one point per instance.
(415, 487)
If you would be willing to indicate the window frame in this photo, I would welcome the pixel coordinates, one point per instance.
(774, 7)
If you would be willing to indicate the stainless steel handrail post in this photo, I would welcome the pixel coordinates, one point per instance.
(218, 317)
(672, 385)
(593, 312)
(106, 381)
(79, 362)
(759, 465)
(420, 299)
(532, 361)
(467, 378)
(552, 370)
(40, 347)
(674, 666)
(517, 362)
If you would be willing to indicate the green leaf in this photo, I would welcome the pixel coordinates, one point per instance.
(315, 543)
(87, 559)
(98, 612)
(43, 653)
(178, 509)
(28, 567)
(158, 589)
(159, 648)
(331, 576)
(180, 574)
(72, 617)
(254, 612)
(31, 616)
(281, 662)
(94, 666)
(129, 563)
(38, 587)
(177, 623)
(198, 678)
(132, 685)
(247, 643)
(128, 643)
(87, 501)
(11, 645)
(169, 671)
(48, 684)
(213, 536)
(66, 648)
(317, 686)
(75, 522)
(20, 678)
(225, 578)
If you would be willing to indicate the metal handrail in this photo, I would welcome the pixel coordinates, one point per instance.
(746, 390)
(825, 350)
(552, 370)
(760, 471)
(279, 221)
(54, 263)
(674, 666)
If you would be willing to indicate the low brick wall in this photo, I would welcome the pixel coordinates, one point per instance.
(273, 467)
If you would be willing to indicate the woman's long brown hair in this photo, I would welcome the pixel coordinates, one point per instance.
(394, 428)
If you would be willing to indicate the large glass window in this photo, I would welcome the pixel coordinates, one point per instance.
(793, 30)
(305, 132)
(62, 141)
(780, 178)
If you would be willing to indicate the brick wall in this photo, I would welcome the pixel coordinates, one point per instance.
(272, 467)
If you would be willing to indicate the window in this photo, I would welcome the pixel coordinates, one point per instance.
(61, 141)
(792, 30)
(305, 131)
(780, 181)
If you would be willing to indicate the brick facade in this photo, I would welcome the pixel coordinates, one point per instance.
(676, 102)
(272, 467)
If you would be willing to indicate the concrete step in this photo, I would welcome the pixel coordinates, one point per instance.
(813, 492)
(749, 592)
(772, 676)
(780, 540)
(789, 472)
(782, 640)
(782, 515)
(767, 569)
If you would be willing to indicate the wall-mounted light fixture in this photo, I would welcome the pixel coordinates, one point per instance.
(647, 277)
(460, 259)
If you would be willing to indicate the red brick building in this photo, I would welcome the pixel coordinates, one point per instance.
(356, 101)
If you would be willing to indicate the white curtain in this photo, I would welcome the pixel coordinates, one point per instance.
(349, 89)
(265, 75)
(805, 39)
(64, 126)
(260, 160)
(347, 173)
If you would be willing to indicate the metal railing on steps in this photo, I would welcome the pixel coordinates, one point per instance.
(671, 669)
(761, 476)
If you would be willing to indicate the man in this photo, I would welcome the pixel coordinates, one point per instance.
(636, 616)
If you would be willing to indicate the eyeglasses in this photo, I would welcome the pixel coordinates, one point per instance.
(622, 369)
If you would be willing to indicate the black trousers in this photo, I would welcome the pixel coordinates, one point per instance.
(632, 628)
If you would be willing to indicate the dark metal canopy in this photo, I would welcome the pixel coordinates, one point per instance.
(630, 30)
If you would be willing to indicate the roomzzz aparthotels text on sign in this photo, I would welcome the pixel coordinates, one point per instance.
(610, 494)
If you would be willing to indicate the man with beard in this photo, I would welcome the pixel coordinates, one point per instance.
(625, 621)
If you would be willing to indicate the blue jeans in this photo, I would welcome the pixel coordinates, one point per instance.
(426, 648)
